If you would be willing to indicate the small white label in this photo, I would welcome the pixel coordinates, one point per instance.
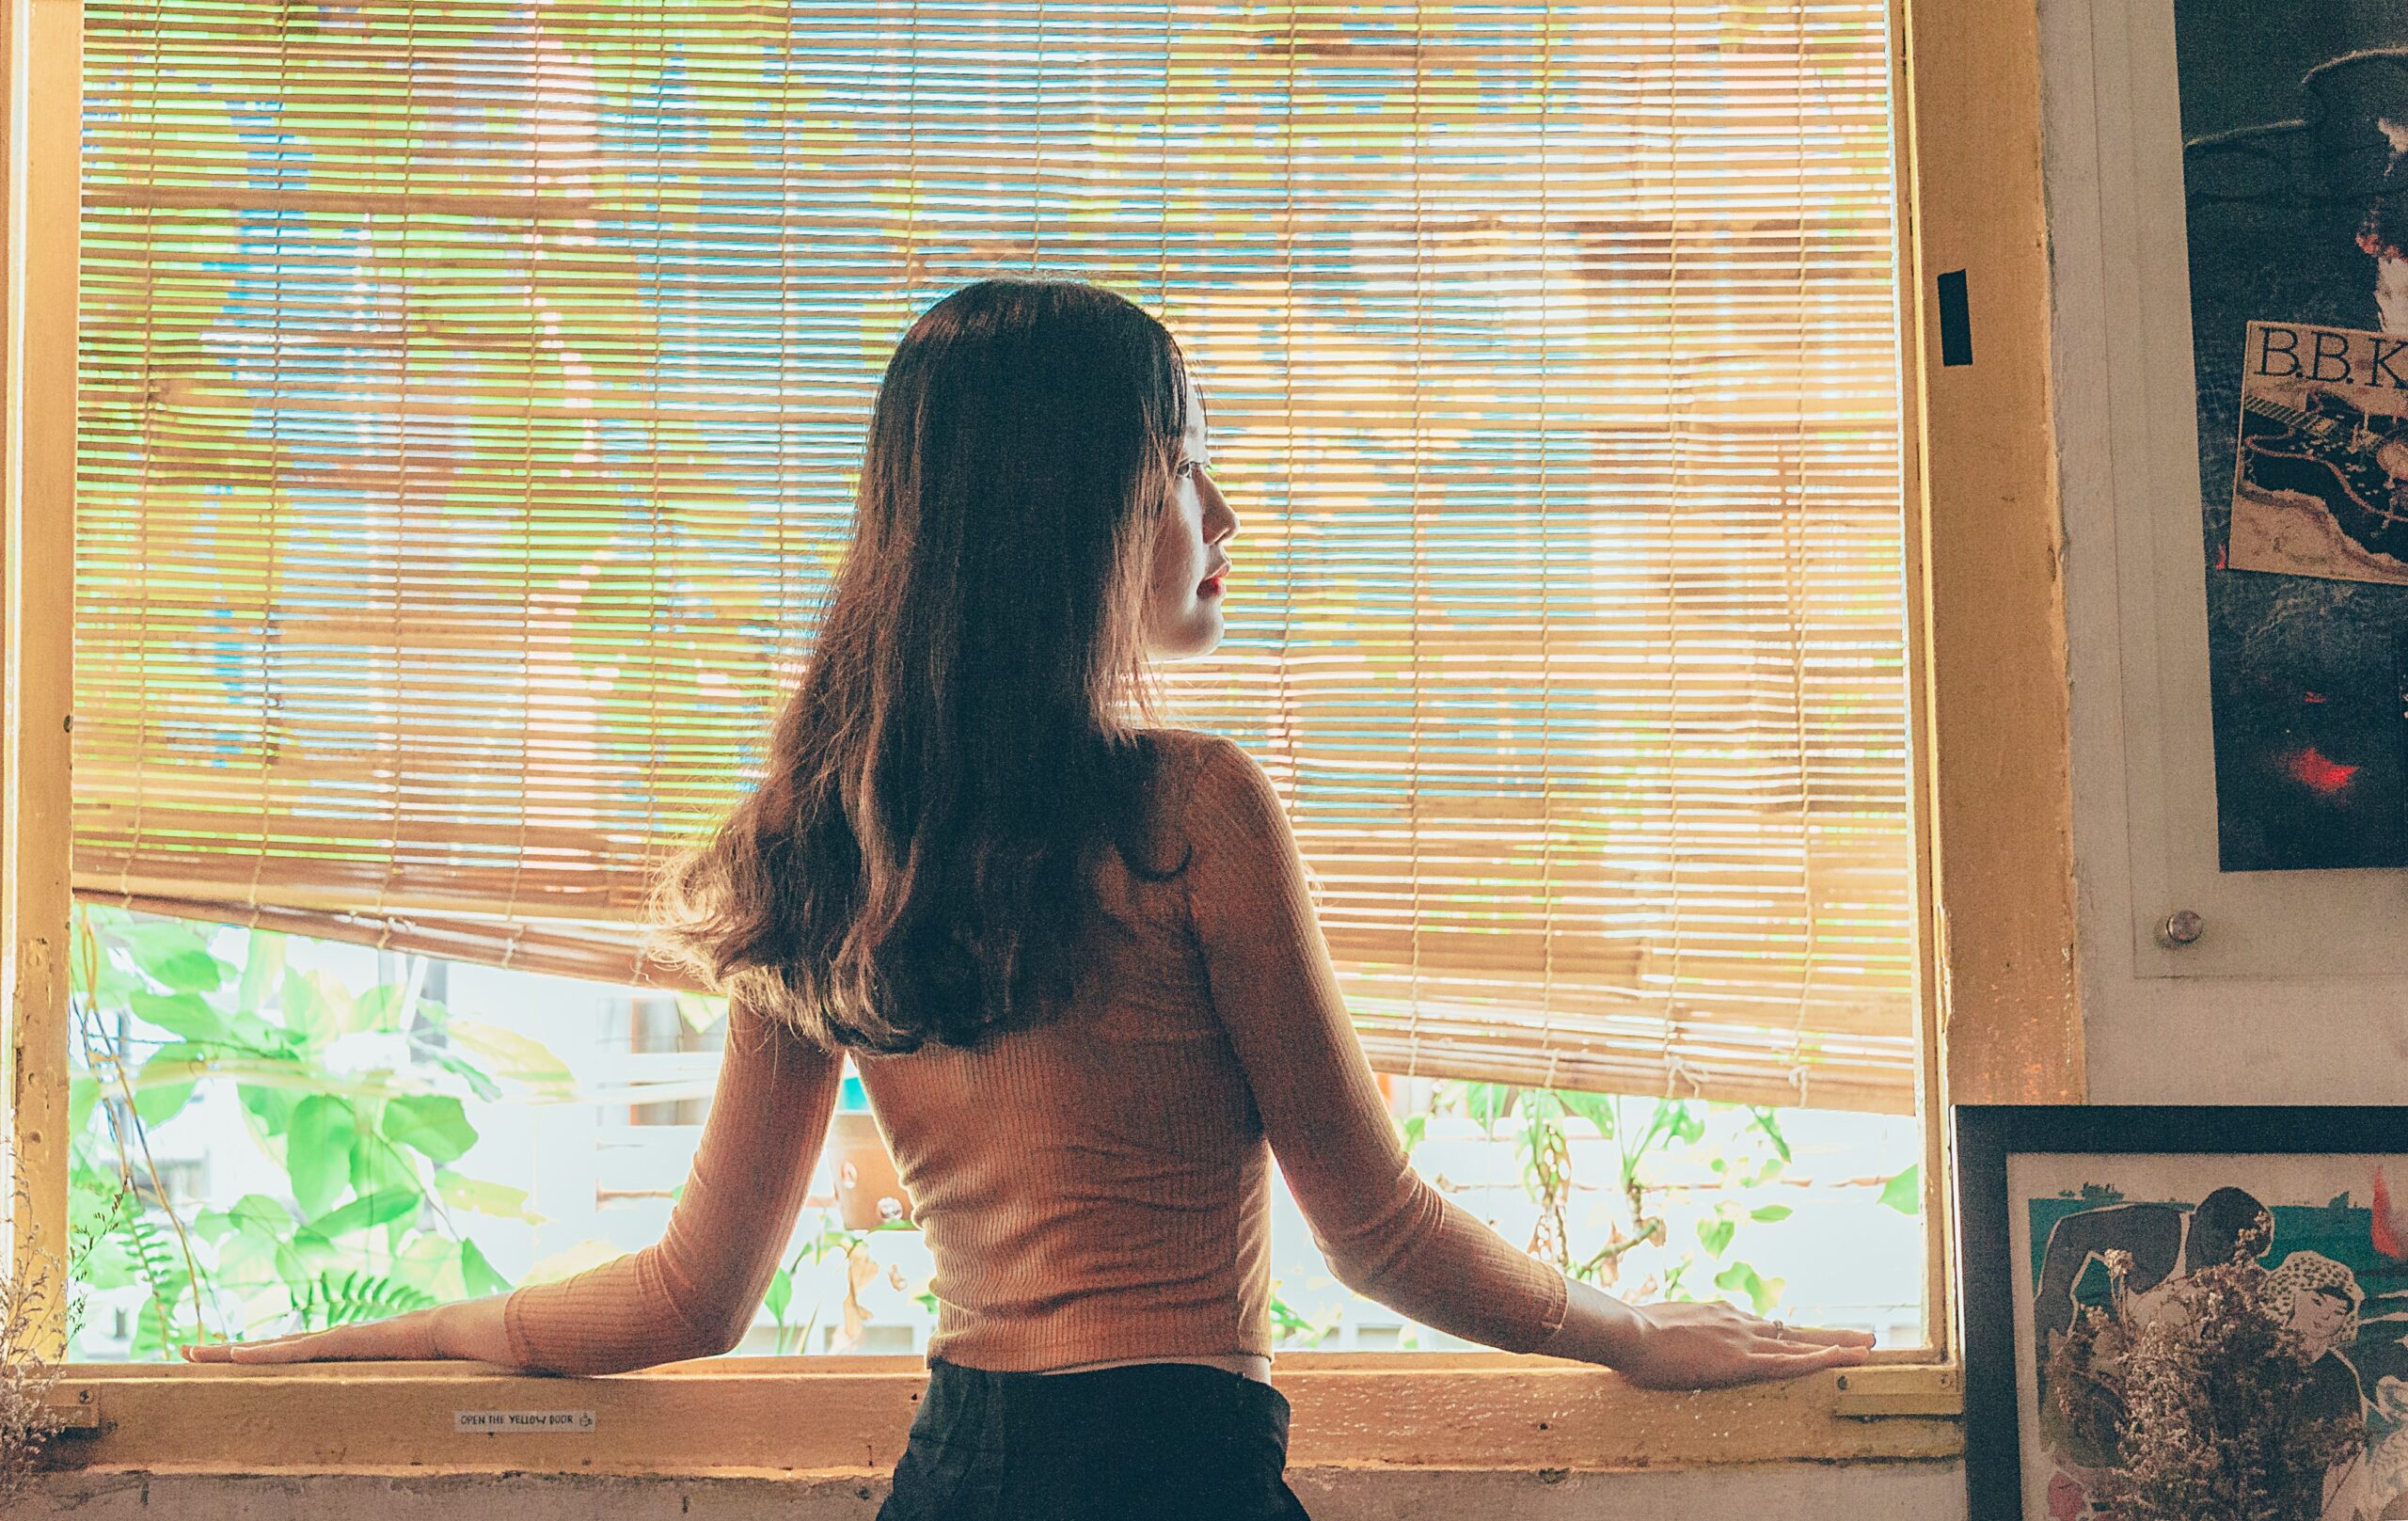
(573, 1421)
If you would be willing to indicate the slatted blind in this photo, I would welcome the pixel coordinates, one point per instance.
(474, 394)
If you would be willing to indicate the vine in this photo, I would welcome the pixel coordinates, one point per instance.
(356, 1097)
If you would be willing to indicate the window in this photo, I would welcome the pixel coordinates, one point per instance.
(1552, 348)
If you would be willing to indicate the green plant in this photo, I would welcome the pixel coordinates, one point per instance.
(1670, 1126)
(1291, 1328)
(861, 1265)
(357, 1095)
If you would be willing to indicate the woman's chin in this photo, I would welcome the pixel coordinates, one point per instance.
(1200, 635)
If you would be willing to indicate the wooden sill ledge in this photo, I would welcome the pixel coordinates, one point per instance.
(765, 1415)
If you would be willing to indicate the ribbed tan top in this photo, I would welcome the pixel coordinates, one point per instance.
(1097, 1188)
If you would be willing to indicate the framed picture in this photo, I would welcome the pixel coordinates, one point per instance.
(2061, 1209)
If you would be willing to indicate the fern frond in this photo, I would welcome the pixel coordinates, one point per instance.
(331, 1300)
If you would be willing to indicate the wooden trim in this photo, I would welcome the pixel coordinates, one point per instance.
(732, 1416)
(1992, 559)
(1939, 1318)
(43, 73)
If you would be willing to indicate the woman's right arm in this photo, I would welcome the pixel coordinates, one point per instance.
(691, 1294)
(1387, 1234)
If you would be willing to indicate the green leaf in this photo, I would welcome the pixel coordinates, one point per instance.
(1761, 1292)
(365, 1212)
(476, 1195)
(114, 983)
(341, 1012)
(480, 1276)
(1904, 1192)
(261, 1215)
(155, 1329)
(83, 1094)
(483, 1088)
(1413, 1129)
(262, 971)
(382, 1008)
(271, 1107)
(1769, 1122)
(172, 953)
(378, 1163)
(301, 1256)
(307, 1013)
(434, 1125)
(317, 1151)
(106, 1265)
(257, 1037)
(1768, 1213)
(516, 1057)
(1596, 1108)
(184, 1015)
(356, 1296)
(780, 1295)
(188, 970)
(166, 1080)
(431, 1264)
(1487, 1102)
(1714, 1235)
(701, 1011)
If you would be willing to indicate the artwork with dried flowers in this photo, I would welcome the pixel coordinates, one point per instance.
(2184, 1314)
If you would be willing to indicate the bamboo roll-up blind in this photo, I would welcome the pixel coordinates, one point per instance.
(475, 393)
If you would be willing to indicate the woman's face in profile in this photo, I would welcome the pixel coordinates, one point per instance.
(1183, 597)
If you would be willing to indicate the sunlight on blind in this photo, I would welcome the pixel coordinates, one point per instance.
(475, 391)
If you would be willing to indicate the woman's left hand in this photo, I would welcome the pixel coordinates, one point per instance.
(472, 1330)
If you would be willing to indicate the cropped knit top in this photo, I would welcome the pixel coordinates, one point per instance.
(1098, 1187)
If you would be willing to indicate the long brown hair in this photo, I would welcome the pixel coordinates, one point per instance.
(911, 867)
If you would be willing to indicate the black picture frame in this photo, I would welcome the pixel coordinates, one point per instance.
(1984, 1138)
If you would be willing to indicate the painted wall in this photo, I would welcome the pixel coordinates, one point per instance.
(1799, 1493)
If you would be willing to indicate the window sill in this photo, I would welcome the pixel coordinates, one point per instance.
(758, 1415)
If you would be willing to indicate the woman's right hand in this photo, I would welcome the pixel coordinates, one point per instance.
(1706, 1346)
(473, 1329)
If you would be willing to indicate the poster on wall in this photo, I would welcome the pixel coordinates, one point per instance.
(2163, 1302)
(2295, 183)
(2327, 1268)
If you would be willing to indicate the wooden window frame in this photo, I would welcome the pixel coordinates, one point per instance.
(2001, 1021)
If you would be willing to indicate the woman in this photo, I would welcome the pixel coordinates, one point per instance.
(1074, 960)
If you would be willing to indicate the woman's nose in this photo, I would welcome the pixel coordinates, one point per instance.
(1220, 523)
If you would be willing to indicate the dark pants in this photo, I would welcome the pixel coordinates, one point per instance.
(1151, 1440)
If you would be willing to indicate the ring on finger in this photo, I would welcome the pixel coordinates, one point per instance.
(1781, 1330)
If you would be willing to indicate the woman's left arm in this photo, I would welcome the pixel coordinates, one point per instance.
(691, 1294)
